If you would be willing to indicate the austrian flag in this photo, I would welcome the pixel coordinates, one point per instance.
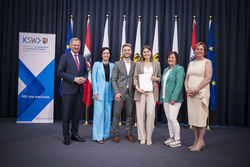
(87, 96)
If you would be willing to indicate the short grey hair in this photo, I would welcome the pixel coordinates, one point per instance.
(74, 39)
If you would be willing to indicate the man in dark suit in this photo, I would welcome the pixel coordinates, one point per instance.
(72, 69)
(122, 82)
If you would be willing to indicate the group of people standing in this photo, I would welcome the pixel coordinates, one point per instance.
(123, 82)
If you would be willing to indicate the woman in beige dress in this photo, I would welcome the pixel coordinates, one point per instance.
(197, 80)
(146, 99)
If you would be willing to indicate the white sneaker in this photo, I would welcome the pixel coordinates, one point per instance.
(169, 140)
(142, 142)
(175, 143)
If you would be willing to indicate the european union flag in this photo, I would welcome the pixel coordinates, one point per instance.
(70, 33)
(210, 56)
(67, 48)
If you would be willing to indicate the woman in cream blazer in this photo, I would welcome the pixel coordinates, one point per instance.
(146, 100)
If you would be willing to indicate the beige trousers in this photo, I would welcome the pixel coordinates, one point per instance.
(145, 112)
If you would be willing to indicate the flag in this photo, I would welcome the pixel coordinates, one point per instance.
(210, 56)
(137, 55)
(67, 48)
(155, 49)
(87, 96)
(105, 42)
(175, 37)
(193, 42)
(70, 34)
(123, 35)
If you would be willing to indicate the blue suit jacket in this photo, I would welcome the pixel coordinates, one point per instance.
(174, 84)
(67, 70)
(98, 81)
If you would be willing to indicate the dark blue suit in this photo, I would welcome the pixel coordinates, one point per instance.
(72, 92)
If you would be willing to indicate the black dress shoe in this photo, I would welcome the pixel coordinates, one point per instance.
(66, 141)
(77, 138)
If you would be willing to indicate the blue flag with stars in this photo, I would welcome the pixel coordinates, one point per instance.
(70, 32)
(67, 48)
(210, 56)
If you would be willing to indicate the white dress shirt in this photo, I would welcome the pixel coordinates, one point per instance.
(73, 54)
(127, 65)
(164, 83)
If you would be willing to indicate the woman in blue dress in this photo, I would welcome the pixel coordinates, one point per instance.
(102, 95)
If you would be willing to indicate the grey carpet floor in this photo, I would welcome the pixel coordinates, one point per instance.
(40, 145)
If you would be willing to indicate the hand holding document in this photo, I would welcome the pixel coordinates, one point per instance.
(145, 82)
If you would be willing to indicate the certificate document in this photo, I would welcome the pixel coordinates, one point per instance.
(145, 82)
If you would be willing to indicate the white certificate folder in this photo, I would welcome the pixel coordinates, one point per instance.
(145, 82)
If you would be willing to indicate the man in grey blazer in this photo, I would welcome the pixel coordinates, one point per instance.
(122, 82)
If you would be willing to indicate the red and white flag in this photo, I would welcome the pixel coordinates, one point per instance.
(87, 97)
(193, 42)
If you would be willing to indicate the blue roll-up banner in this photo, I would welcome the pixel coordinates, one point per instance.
(36, 78)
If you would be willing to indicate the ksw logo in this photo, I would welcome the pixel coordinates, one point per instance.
(35, 40)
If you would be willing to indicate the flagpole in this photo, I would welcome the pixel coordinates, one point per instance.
(86, 110)
(123, 41)
(120, 123)
(86, 117)
(208, 128)
(66, 50)
(135, 125)
(139, 19)
(155, 52)
(190, 126)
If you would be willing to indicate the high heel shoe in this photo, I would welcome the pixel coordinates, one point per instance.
(199, 148)
(99, 141)
(190, 147)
